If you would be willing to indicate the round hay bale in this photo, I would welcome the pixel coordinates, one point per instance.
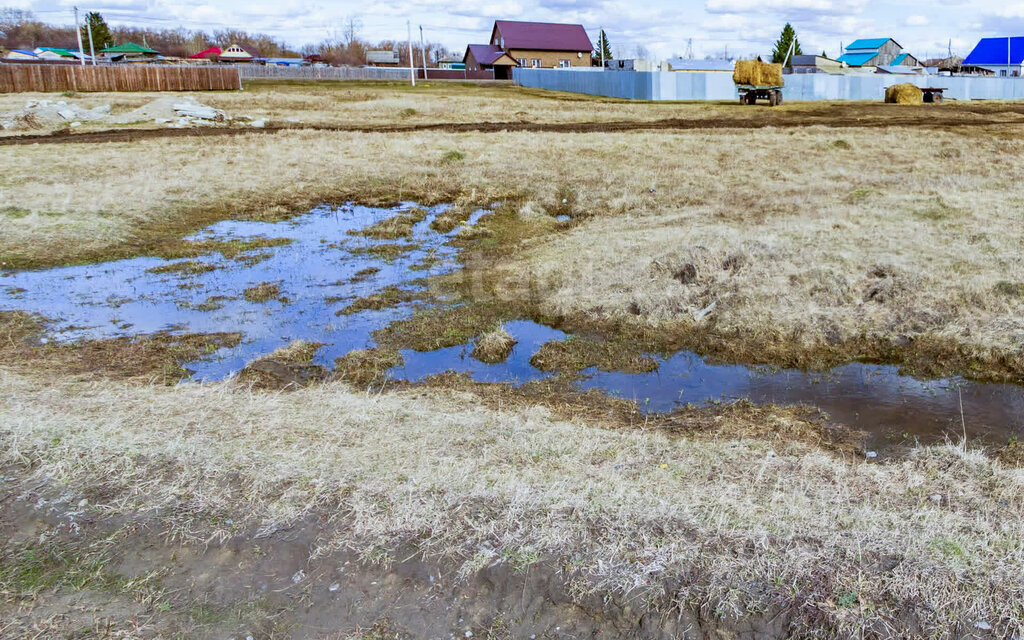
(904, 93)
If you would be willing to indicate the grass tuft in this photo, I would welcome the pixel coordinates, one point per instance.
(493, 346)
(262, 292)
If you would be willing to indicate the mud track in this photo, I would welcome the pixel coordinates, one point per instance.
(835, 116)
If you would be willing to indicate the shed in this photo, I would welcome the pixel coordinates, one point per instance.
(382, 58)
(130, 51)
(21, 54)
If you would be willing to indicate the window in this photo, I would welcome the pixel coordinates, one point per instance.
(535, 63)
(564, 64)
(1003, 73)
(521, 61)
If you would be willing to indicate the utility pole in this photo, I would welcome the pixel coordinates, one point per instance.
(423, 50)
(600, 45)
(412, 66)
(92, 50)
(78, 32)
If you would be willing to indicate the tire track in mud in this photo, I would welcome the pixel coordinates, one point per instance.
(790, 120)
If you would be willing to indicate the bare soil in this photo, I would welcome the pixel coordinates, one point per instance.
(833, 115)
(104, 576)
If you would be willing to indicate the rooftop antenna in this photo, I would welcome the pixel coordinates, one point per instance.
(689, 48)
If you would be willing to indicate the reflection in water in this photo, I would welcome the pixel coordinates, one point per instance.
(325, 268)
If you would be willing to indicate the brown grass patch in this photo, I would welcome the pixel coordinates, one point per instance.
(493, 346)
(289, 367)
(367, 366)
(262, 292)
(155, 358)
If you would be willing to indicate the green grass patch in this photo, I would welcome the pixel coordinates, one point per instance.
(1009, 289)
(14, 212)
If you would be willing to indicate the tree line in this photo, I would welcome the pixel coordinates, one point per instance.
(20, 29)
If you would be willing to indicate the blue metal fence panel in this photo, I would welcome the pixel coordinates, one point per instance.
(666, 85)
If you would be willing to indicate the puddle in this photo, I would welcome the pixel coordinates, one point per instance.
(323, 268)
(892, 408)
(516, 369)
(321, 271)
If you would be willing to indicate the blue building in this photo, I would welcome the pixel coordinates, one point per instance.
(877, 52)
(1001, 56)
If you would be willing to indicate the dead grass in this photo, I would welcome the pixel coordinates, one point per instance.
(389, 296)
(493, 346)
(395, 227)
(156, 358)
(786, 277)
(262, 292)
(575, 354)
(735, 526)
(364, 367)
(289, 367)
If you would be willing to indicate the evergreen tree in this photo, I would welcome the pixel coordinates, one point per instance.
(603, 47)
(101, 38)
(787, 37)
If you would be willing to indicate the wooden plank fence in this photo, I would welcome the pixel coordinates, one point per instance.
(51, 78)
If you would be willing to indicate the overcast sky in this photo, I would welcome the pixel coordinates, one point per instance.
(662, 27)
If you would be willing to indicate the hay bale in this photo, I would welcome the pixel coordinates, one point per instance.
(757, 73)
(904, 93)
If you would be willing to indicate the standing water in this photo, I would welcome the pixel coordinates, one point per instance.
(318, 264)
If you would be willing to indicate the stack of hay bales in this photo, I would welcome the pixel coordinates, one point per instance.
(905, 93)
(757, 73)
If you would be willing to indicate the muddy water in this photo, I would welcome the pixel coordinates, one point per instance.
(324, 268)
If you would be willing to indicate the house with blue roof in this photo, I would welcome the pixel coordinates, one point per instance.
(877, 52)
(1001, 56)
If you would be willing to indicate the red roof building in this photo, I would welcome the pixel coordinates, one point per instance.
(210, 54)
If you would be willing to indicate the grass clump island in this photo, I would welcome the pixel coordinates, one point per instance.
(493, 346)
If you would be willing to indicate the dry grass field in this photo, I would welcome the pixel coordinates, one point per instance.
(792, 245)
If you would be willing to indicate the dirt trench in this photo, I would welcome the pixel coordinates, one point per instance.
(854, 116)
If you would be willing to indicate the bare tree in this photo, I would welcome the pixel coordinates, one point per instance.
(351, 29)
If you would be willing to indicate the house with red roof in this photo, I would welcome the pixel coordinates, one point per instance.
(530, 44)
(211, 53)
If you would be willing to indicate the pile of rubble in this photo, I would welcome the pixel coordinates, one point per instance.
(174, 111)
(46, 114)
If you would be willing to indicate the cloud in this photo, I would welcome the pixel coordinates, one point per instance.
(788, 7)
(917, 21)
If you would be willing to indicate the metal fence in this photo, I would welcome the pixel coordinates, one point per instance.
(38, 77)
(666, 85)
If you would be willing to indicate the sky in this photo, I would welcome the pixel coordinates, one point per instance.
(659, 28)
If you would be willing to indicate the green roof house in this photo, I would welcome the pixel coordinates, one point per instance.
(129, 51)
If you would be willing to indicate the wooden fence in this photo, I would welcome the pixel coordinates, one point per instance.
(143, 77)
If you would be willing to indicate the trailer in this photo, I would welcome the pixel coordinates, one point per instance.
(750, 94)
